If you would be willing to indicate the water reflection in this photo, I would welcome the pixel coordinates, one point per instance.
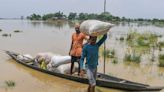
(71, 24)
(36, 23)
(54, 24)
(58, 24)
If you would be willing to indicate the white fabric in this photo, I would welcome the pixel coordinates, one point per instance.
(59, 60)
(44, 56)
(64, 69)
(24, 57)
(95, 27)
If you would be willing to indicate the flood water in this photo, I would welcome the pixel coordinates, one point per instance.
(39, 36)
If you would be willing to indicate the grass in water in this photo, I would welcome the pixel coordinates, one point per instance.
(17, 31)
(141, 39)
(114, 61)
(161, 60)
(109, 53)
(121, 38)
(132, 58)
(10, 83)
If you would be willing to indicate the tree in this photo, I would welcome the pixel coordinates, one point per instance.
(123, 19)
(92, 16)
(34, 17)
(59, 15)
(48, 16)
(72, 16)
(83, 16)
(106, 16)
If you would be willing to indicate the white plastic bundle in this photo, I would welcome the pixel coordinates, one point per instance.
(95, 27)
(64, 69)
(59, 60)
(46, 56)
(24, 57)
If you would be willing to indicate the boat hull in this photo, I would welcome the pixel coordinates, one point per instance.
(103, 80)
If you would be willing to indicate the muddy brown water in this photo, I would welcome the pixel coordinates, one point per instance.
(38, 36)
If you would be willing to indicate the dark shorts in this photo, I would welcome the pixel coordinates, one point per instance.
(75, 59)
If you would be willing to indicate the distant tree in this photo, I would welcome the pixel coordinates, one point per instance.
(123, 19)
(92, 16)
(116, 18)
(34, 17)
(59, 15)
(72, 16)
(105, 16)
(162, 20)
(140, 19)
(48, 16)
(83, 16)
(155, 20)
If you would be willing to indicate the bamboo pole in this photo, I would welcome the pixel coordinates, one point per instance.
(104, 42)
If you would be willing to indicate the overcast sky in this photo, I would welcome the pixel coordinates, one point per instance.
(127, 8)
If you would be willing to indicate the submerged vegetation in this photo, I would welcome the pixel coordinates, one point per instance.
(132, 58)
(140, 43)
(10, 83)
(109, 53)
(6, 35)
(121, 38)
(161, 44)
(17, 31)
(161, 60)
(115, 61)
(141, 39)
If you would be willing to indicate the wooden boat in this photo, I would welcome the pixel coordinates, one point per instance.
(103, 80)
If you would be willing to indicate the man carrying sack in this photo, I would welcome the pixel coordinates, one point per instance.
(90, 51)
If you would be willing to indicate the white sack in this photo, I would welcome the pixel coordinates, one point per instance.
(95, 27)
(25, 57)
(44, 56)
(64, 69)
(59, 60)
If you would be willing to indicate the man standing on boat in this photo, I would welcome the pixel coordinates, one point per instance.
(90, 52)
(76, 47)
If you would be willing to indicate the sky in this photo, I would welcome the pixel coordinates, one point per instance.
(121, 8)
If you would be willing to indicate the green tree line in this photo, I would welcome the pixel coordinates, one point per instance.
(84, 16)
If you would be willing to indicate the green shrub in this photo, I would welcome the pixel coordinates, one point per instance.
(141, 39)
(161, 60)
(5, 34)
(161, 44)
(17, 31)
(114, 61)
(132, 58)
(10, 83)
(121, 38)
(109, 53)
(142, 42)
